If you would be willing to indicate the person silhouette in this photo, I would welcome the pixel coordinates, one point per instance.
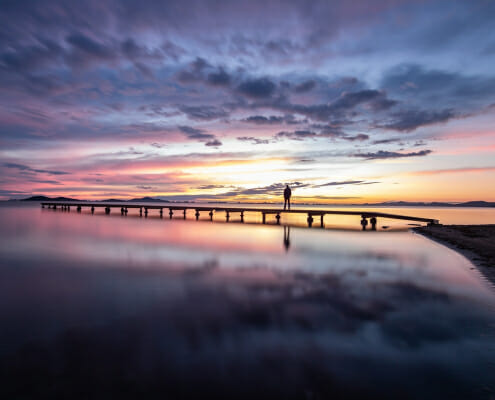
(287, 194)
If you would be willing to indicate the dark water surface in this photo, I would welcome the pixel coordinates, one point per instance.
(97, 306)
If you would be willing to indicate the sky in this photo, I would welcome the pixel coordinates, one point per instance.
(345, 101)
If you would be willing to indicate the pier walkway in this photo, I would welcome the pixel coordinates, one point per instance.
(311, 213)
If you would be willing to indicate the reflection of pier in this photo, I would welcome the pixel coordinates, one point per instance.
(311, 213)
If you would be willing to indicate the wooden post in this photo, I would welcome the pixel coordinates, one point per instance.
(184, 213)
(170, 213)
(242, 216)
(364, 222)
(264, 218)
(227, 216)
(321, 220)
(79, 208)
(310, 220)
(373, 223)
(161, 212)
(211, 215)
(146, 212)
(140, 211)
(278, 218)
(197, 214)
(92, 209)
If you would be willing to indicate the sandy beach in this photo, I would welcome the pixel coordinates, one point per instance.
(476, 242)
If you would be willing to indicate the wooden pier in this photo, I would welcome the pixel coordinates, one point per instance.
(311, 213)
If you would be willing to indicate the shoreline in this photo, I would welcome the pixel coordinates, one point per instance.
(475, 242)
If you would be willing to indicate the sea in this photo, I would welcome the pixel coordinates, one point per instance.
(128, 306)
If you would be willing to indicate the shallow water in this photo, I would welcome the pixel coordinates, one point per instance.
(105, 306)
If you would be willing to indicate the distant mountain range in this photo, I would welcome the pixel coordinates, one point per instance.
(148, 200)
(142, 199)
(478, 203)
(46, 198)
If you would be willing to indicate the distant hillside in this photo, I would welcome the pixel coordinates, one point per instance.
(46, 198)
(433, 204)
(478, 204)
(148, 200)
(112, 200)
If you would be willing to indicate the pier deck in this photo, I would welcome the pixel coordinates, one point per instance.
(365, 215)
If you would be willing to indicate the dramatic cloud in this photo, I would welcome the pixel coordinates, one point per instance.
(324, 132)
(305, 86)
(409, 120)
(253, 140)
(194, 133)
(342, 183)
(261, 120)
(26, 168)
(257, 88)
(199, 134)
(360, 137)
(297, 135)
(204, 112)
(275, 189)
(219, 78)
(84, 83)
(381, 155)
(387, 141)
(213, 143)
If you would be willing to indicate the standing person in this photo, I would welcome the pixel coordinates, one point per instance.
(287, 194)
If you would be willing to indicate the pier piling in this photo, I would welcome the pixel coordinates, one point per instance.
(364, 222)
(310, 220)
(373, 223)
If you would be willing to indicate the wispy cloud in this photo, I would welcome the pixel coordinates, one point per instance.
(382, 155)
(453, 171)
(26, 168)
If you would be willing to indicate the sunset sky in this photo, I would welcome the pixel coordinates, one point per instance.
(347, 101)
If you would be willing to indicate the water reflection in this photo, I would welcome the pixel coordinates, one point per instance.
(95, 306)
(286, 237)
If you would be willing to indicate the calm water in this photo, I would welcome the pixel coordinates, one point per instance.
(105, 306)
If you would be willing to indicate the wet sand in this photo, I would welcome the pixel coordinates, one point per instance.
(476, 242)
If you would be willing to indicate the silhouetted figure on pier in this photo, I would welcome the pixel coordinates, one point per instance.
(287, 194)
